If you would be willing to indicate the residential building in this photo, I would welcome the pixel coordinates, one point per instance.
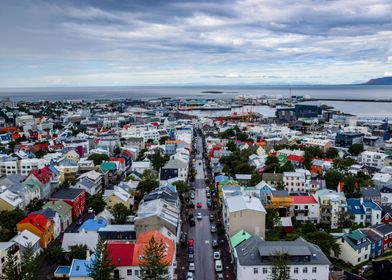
(373, 159)
(174, 168)
(12, 247)
(40, 226)
(64, 211)
(83, 238)
(355, 247)
(306, 208)
(331, 204)
(76, 198)
(25, 239)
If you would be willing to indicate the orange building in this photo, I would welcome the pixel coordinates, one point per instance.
(40, 226)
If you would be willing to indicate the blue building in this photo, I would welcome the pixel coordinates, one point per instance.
(307, 111)
(376, 243)
(346, 139)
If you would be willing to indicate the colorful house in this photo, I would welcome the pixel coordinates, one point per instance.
(40, 226)
(76, 198)
(64, 210)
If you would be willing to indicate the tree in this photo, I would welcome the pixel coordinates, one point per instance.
(332, 178)
(355, 149)
(325, 241)
(8, 221)
(35, 205)
(280, 269)
(332, 153)
(40, 153)
(30, 264)
(96, 202)
(343, 163)
(98, 158)
(163, 139)
(120, 213)
(272, 218)
(54, 255)
(10, 267)
(101, 267)
(77, 252)
(344, 219)
(308, 159)
(149, 182)
(231, 146)
(349, 185)
(255, 178)
(280, 186)
(243, 168)
(158, 160)
(140, 155)
(181, 187)
(308, 227)
(287, 167)
(271, 160)
(154, 266)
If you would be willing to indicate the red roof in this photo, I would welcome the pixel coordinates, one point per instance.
(121, 252)
(43, 174)
(303, 199)
(295, 158)
(121, 160)
(37, 220)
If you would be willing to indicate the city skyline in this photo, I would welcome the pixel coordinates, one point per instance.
(109, 43)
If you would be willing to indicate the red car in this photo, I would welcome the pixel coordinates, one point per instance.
(199, 205)
(190, 243)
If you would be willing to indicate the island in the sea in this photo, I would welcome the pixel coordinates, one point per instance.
(385, 81)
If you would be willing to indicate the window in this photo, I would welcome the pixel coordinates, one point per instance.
(359, 259)
(306, 207)
(366, 256)
(296, 270)
(265, 270)
(129, 271)
(255, 270)
(136, 272)
(314, 269)
(305, 270)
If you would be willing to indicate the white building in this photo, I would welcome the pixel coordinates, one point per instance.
(306, 260)
(354, 247)
(306, 208)
(297, 181)
(331, 204)
(373, 159)
(141, 166)
(28, 164)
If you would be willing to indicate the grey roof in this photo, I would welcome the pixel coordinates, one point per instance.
(370, 192)
(278, 193)
(272, 177)
(69, 193)
(255, 251)
(382, 228)
(11, 180)
(117, 228)
(171, 197)
(47, 212)
(175, 164)
(87, 183)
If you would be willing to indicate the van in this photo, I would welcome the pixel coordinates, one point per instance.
(218, 266)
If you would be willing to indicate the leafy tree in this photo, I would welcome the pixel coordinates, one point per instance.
(101, 267)
(332, 153)
(30, 264)
(256, 178)
(325, 241)
(344, 163)
(154, 266)
(308, 159)
(243, 168)
(349, 185)
(35, 205)
(271, 160)
(272, 218)
(344, 219)
(77, 252)
(308, 227)
(40, 153)
(231, 146)
(141, 153)
(181, 186)
(163, 139)
(158, 160)
(280, 186)
(332, 178)
(10, 267)
(98, 158)
(280, 269)
(54, 255)
(8, 221)
(96, 202)
(287, 167)
(355, 149)
(149, 182)
(120, 213)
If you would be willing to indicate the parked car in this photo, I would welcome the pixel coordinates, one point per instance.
(191, 257)
(191, 219)
(218, 266)
(212, 217)
(190, 250)
(199, 216)
(219, 276)
(190, 243)
(208, 195)
(215, 244)
(191, 266)
(213, 229)
(217, 255)
(199, 205)
(90, 210)
(189, 276)
(183, 237)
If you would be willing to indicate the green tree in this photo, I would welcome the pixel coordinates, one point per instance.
(154, 267)
(158, 160)
(35, 205)
(98, 158)
(10, 267)
(287, 167)
(271, 160)
(140, 155)
(243, 168)
(77, 252)
(349, 185)
(355, 149)
(120, 213)
(280, 186)
(343, 163)
(344, 219)
(101, 267)
(181, 187)
(325, 241)
(272, 218)
(30, 264)
(308, 159)
(231, 146)
(8, 221)
(332, 178)
(256, 178)
(54, 255)
(149, 182)
(163, 139)
(332, 153)
(96, 202)
(308, 227)
(280, 269)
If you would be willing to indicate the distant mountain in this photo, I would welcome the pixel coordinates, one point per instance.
(385, 81)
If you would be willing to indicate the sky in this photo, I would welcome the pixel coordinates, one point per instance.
(179, 42)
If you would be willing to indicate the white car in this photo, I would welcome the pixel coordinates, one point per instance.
(189, 276)
(191, 266)
(199, 216)
(217, 255)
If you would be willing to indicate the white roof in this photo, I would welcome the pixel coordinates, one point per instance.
(26, 237)
(382, 177)
(11, 198)
(141, 164)
(93, 175)
(238, 203)
(88, 238)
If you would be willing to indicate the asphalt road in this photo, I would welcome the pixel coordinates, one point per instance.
(201, 233)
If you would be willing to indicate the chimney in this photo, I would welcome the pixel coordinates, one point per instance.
(88, 255)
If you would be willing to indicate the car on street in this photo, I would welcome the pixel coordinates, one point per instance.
(191, 266)
(190, 250)
(218, 266)
(209, 204)
(191, 257)
(213, 229)
(200, 163)
(192, 195)
(189, 276)
(215, 244)
(191, 219)
(219, 276)
(208, 194)
(199, 216)
(217, 255)
(183, 237)
(212, 217)
(190, 243)
(199, 205)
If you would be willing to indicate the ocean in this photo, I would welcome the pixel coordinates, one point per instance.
(366, 109)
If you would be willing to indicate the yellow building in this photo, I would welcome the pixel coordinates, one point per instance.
(40, 226)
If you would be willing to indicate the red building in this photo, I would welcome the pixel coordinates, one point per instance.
(74, 197)
(385, 231)
(44, 175)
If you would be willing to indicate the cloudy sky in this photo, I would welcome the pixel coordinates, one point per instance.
(150, 42)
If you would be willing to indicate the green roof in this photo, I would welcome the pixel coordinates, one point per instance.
(239, 237)
(282, 159)
(59, 206)
(356, 235)
(108, 166)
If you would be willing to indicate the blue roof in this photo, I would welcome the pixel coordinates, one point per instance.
(87, 183)
(231, 188)
(354, 206)
(371, 204)
(53, 169)
(221, 178)
(79, 267)
(63, 270)
(93, 224)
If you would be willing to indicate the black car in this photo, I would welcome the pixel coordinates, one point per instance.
(183, 237)
(215, 244)
(192, 220)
